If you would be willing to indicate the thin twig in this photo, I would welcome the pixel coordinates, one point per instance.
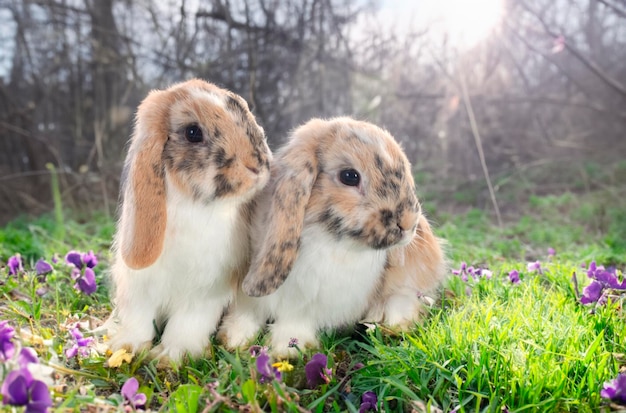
(479, 146)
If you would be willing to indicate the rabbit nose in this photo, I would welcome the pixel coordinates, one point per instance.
(407, 222)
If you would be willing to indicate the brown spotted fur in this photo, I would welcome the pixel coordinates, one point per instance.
(305, 189)
(203, 171)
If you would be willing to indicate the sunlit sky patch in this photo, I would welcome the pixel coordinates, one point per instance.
(464, 22)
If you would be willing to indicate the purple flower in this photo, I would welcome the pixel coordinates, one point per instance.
(265, 369)
(15, 264)
(42, 267)
(256, 350)
(514, 276)
(465, 272)
(73, 258)
(7, 348)
(316, 370)
(89, 259)
(592, 293)
(460, 270)
(81, 260)
(82, 272)
(369, 402)
(86, 282)
(27, 356)
(293, 342)
(551, 252)
(602, 279)
(534, 267)
(80, 344)
(131, 397)
(615, 389)
(20, 389)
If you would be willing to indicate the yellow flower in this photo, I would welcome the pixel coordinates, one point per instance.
(119, 357)
(283, 366)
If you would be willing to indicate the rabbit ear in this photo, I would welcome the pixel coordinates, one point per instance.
(294, 173)
(144, 216)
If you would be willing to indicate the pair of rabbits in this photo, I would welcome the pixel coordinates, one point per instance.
(327, 233)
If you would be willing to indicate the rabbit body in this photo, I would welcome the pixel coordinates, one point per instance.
(188, 286)
(195, 162)
(338, 235)
(330, 285)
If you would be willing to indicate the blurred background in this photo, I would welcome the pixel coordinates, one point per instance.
(525, 96)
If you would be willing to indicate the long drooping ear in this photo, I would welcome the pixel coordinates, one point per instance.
(144, 216)
(294, 173)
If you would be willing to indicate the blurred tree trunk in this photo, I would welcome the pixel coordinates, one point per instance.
(109, 80)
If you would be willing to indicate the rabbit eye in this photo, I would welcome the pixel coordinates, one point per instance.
(349, 177)
(193, 133)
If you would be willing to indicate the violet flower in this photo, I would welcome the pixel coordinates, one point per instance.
(82, 272)
(81, 259)
(80, 344)
(551, 252)
(131, 397)
(7, 348)
(15, 264)
(20, 389)
(42, 267)
(514, 276)
(317, 371)
(592, 292)
(27, 356)
(465, 272)
(603, 280)
(256, 350)
(615, 389)
(535, 267)
(265, 369)
(369, 402)
(85, 282)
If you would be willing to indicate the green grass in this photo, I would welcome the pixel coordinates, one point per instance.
(487, 345)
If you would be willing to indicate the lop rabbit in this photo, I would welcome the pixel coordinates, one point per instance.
(196, 159)
(338, 235)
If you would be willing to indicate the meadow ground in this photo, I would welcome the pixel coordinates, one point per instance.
(510, 333)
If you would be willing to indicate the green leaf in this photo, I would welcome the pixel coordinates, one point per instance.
(248, 390)
(185, 399)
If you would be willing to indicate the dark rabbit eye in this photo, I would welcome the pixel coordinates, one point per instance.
(349, 177)
(193, 133)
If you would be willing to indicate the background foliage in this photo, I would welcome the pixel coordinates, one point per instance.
(547, 87)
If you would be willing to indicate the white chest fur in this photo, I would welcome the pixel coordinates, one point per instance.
(202, 246)
(330, 282)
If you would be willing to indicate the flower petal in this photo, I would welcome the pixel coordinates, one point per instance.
(15, 264)
(592, 292)
(71, 352)
(314, 370)
(15, 388)
(87, 283)
(42, 267)
(90, 259)
(140, 400)
(129, 389)
(119, 357)
(74, 258)
(27, 355)
(40, 397)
